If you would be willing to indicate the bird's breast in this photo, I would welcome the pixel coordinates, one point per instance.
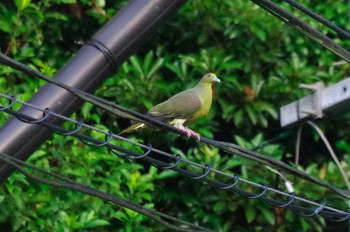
(205, 96)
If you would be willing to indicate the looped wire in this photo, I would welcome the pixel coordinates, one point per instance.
(12, 102)
(226, 186)
(112, 150)
(72, 132)
(46, 114)
(107, 141)
(321, 208)
(149, 149)
(347, 216)
(292, 198)
(315, 212)
(206, 171)
(131, 155)
(177, 161)
(255, 196)
(235, 182)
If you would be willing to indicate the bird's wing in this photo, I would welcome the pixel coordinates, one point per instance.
(182, 105)
(132, 129)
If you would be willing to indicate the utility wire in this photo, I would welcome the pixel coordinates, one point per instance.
(342, 33)
(303, 27)
(297, 145)
(328, 145)
(233, 185)
(124, 112)
(231, 148)
(288, 184)
(331, 151)
(69, 184)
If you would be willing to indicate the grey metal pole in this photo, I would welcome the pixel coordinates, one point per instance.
(94, 62)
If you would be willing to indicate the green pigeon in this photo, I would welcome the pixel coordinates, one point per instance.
(183, 108)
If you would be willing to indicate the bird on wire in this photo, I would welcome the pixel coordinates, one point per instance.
(183, 108)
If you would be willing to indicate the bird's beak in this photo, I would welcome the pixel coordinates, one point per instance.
(216, 80)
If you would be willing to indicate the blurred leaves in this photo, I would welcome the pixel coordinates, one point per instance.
(261, 63)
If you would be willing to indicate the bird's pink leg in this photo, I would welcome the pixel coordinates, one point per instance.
(196, 135)
(190, 132)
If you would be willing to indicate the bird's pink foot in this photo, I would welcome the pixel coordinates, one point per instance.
(190, 133)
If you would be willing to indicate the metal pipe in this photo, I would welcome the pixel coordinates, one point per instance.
(95, 61)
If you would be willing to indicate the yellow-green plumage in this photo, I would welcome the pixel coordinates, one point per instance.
(184, 107)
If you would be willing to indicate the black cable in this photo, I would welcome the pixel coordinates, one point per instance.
(124, 112)
(303, 27)
(321, 209)
(69, 184)
(342, 33)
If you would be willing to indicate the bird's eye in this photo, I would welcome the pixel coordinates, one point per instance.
(208, 75)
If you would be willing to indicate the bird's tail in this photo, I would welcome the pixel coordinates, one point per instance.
(132, 129)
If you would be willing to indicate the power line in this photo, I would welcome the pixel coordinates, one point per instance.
(128, 113)
(303, 27)
(62, 182)
(293, 201)
(330, 149)
(321, 208)
(342, 33)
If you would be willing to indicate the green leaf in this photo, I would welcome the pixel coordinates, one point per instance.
(86, 110)
(257, 140)
(272, 112)
(101, 3)
(96, 118)
(238, 117)
(5, 24)
(250, 213)
(27, 52)
(240, 141)
(305, 225)
(37, 155)
(121, 215)
(219, 206)
(67, 1)
(131, 213)
(344, 145)
(251, 114)
(147, 62)
(96, 223)
(268, 108)
(202, 38)
(233, 162)
(136, 64)
(231, 65)
(167, 174)
(263, 121)
(261, 34)
(22, 4)
(269, 215)
(62, 216)
(155, 67)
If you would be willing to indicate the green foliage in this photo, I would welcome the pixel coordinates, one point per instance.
(261, 63)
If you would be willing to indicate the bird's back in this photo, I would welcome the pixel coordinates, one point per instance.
(189, 105)
(181, 105)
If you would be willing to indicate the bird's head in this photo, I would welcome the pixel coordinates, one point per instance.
(209, 78)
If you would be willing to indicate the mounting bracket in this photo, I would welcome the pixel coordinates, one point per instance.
(321, 103)
(315, 107)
